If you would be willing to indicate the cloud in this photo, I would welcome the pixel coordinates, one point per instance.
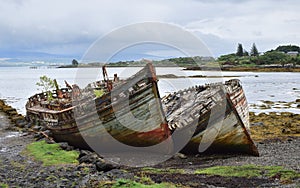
(71, 26)
(266, 23)
(145, 37)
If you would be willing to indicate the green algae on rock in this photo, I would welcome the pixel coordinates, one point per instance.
(274, 125)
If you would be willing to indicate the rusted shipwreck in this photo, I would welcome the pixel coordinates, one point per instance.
(77, 115)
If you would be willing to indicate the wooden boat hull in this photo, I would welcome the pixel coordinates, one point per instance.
(219, 126)
(130, 114)
(231, 137)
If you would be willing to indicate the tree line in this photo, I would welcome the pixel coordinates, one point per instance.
(279, 56)
(242, 52)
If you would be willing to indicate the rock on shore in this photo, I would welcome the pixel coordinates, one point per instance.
(16, 119)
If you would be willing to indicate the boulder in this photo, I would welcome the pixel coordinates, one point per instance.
(101, 165)
(90, 158)
(84, 153)
(65, 146)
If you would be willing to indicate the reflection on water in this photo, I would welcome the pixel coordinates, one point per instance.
(17, 84)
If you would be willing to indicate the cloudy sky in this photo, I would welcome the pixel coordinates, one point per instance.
(69, 27)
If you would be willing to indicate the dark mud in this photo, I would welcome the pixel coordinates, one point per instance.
(197, 180)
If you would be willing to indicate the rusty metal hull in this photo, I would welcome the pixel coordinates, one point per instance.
(131, 113)
(220, 114)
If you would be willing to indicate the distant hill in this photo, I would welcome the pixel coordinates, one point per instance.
(29, 54)
(171, 62)
(22, 58)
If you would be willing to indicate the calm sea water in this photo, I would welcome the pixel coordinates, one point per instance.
(17, 84)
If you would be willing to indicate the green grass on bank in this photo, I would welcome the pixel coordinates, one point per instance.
(137, 182)
(162, 171)
(122, 183)
(3, 185)
(251, 171)
(51, 154)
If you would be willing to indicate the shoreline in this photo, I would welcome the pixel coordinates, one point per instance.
(253, 69)
(189, 68)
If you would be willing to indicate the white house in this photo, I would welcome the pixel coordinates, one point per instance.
(293, 53)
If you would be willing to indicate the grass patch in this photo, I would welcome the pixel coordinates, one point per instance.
(162, 171)
(251, 171)
(232, 171)
(285, 174)
(122, 183)
(51, 154)
(3, 185)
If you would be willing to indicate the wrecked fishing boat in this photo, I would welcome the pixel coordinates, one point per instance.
(132, 112)
(220, 114)
(74, 114)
